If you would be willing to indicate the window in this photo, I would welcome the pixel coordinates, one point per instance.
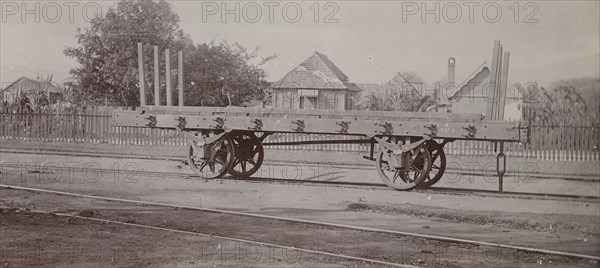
(308, 102)
(308, 98)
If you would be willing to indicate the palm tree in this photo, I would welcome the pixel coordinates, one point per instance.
(395, 96)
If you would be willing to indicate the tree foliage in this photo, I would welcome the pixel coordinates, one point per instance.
(107, 51)
(402, 93)
(107, 55)
(224, 74)
(572, 101)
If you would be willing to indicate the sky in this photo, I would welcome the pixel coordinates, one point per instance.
(370, 41)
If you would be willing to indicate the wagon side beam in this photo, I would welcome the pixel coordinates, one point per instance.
(358, 141)
(485, 130)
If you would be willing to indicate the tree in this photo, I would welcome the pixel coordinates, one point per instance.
(107, 51)
(224, 74)
(215, 74)
(402, 93)
(568, 101)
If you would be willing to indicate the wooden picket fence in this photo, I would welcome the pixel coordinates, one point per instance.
(558, 143)
(92, 126)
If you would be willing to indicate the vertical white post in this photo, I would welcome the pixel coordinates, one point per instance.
(168, 76)
(180, 76)
(141, 74)
(493, 80)
(156, 78)
(504, 86)
(497, 84)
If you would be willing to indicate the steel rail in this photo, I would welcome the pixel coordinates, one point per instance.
(347, 166)
(310, 222)
(380, 186)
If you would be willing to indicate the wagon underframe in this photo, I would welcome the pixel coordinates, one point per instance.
(409, 152)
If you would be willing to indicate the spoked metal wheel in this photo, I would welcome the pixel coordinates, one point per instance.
(438, 166)
(249, 154)
(211, 160)
(408, 177)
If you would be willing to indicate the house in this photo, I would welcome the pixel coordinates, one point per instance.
(408, 83)
(470, 97)
(404, 91)
(316, 83)
(29, 86)
(513, 109)
(474, 95)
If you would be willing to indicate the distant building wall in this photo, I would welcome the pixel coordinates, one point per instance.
(472, 99)
(24, 86)
(332, 99)
(286, 99)
(310, 99)
(512, 109)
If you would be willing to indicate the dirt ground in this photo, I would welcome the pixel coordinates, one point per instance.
(39, 240)
(583, 225)
(31, 239)
(539, 222)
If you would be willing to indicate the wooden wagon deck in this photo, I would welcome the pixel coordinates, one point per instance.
(360, 123)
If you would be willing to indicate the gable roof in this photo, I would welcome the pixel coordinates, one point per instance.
(475, 79)
(405, 84)
(316, 72)
(332, 67)
(30, 84)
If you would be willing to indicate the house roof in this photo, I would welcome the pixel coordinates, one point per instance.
(405, 84)
(475, 79)
(316, 72)
(30, 84)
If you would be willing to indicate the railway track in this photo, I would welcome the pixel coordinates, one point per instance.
(365, 185)
(232, 239)
(345, 166)
(374, 231)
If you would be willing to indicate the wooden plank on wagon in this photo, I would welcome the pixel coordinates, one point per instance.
(494, 80)
(503, 86)
(180, 78)
(168, 76)
(156, 78)
(141, 74)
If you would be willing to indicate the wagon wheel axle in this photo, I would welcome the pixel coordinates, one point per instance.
(210, 160)
(249, 154)
(415, 166)
(438, 164)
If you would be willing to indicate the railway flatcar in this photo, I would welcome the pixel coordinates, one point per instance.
(403, 145)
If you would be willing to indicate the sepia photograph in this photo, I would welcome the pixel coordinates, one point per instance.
(311, 133)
